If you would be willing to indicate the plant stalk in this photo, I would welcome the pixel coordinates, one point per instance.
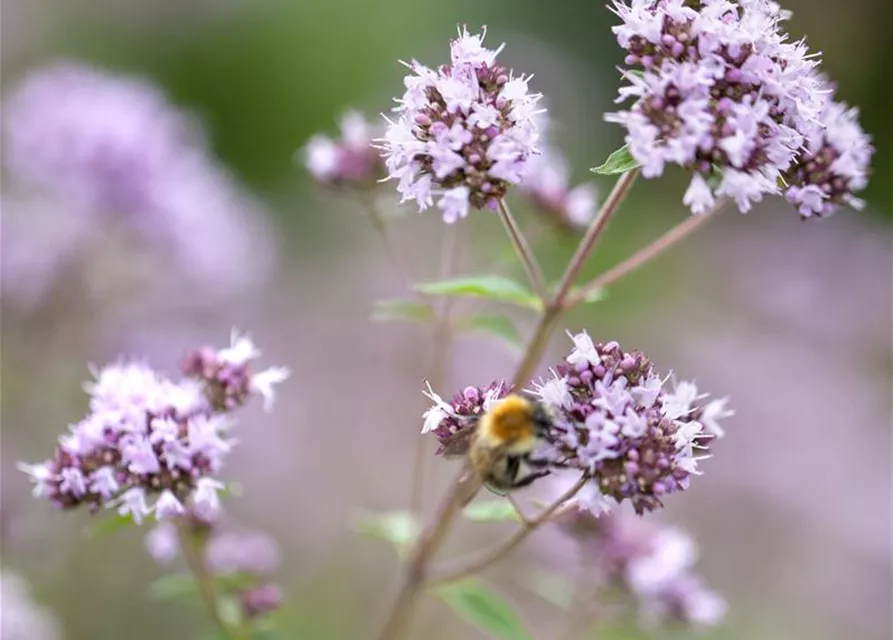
(522, 248)
(432, 538)
(504, 548)
(193, 551)
(645, 255)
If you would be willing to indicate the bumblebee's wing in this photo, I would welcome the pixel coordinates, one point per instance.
(457, 444)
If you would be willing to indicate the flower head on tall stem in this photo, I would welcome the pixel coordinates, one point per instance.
(719, 89)
(463, 132)
(151, 445)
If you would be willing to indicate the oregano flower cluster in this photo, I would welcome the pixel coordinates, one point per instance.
(151, 445)
(464, 132)
(615, 420)
(719, 89)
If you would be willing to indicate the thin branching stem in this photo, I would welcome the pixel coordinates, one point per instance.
(593, 234)
(645, 255)
(397, 260)
(498, 552)
(522, 248)
(440, 356)
(551, 315)
(416, 568)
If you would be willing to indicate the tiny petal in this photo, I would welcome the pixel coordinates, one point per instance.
(40, 475)
(133, 503)
(584, 352)
(698, 197)
(264, 382)
(104, 482)
(205, 498)
(241, 350)
(167, 506)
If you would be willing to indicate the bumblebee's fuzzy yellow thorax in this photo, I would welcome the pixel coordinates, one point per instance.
(509, 422)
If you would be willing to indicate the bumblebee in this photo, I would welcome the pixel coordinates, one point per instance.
(498, 446)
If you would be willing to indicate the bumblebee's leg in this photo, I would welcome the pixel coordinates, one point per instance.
(537, 464)
(527, 480)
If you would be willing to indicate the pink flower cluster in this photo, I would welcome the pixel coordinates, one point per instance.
(150, 444)
(650, 561)
(613, 420)
(464, 131)
(349, 160)
(721, 91)
(616, 421)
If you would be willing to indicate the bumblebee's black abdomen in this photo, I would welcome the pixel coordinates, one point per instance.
(513, 472)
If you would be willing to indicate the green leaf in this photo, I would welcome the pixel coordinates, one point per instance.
(402, 310)
(400, 528)
(496, 288)
(596, 295)
(552, 587)
(173, 587)
(475, 603)
(491, 511)
(620, 161)
(230, 610)
(500, 326)
(109, 523)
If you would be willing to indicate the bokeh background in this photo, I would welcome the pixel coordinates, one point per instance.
(791, 319)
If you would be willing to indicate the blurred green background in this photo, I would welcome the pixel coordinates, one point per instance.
(791, 319)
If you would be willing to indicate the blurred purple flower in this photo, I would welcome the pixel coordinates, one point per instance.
(465, 131)
(111, 152)
(149, 444)
(39, 241)
(242, 552)
(95, 138)
(651, 561)
(545, 181)
(259, 601)
(23, 619)
(348, 161)
(162, 542)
